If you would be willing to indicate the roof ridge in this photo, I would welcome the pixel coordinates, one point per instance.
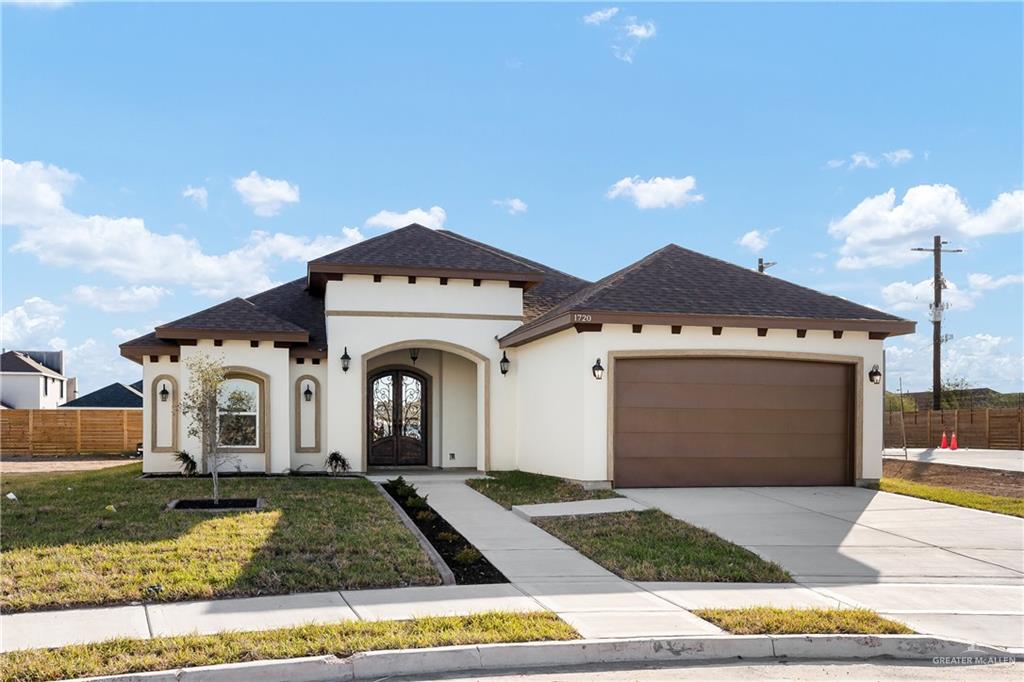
(367, 240)
(508, 254)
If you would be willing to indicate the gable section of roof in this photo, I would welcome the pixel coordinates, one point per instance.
(418, 250)
(115, 395)
(236, 318)
(294, 303)
(680, 284)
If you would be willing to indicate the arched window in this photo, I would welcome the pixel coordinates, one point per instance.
(240, 414)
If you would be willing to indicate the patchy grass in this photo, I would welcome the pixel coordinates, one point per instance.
(519, 487)
(63, 547)
(651, 545)
(121, 656)
(771, 621)
(1011, 506)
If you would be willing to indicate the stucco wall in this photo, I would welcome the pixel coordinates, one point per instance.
(554, 374)
(458, 318)
(306, 428)
(25, 391)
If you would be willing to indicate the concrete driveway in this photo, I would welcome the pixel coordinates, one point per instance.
(941, 569)
(1003, 460)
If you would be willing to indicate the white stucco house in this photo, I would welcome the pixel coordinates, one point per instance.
(34, 380)
(424, 348)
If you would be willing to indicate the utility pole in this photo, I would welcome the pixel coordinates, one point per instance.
(937, 307)
(762, 265)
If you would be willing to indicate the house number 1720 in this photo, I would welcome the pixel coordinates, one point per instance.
(580, 317)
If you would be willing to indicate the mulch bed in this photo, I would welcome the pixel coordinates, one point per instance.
(469, 566)
(989, 481)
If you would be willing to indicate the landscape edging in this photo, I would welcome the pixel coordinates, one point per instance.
(377, 664)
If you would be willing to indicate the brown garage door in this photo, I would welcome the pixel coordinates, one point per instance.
(731, 421)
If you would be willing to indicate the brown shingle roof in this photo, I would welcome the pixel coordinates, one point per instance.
(235, 318)
(294, 303)
(418, 250)
(537, 300)
(677, 281)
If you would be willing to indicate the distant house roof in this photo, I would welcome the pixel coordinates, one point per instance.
(418, 250)
(17, 361)
(137, 386)
(674, 284)
(115, 395)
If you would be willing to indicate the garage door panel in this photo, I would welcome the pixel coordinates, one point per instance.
(713, 471)
(694, 421)
(730, 371)
(730, 396)
(735, 445)
(665, 420)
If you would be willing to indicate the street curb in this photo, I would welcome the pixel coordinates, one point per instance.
(493, 657)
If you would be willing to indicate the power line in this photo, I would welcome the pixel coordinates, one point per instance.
(937, 306)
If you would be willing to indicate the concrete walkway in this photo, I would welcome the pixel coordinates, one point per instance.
(942, 570)
(590, 598)
(1004, 460)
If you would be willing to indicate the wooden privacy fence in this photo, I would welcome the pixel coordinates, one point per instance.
(998, 428)
(69, 431)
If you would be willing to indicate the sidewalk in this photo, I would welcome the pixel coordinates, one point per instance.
(1003, 460)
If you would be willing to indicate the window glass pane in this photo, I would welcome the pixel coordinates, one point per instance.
(383, 407)
(412, 407)
(239, 413)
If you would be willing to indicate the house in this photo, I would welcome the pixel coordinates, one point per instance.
(113, 396)
(34, 380)
(424, 348)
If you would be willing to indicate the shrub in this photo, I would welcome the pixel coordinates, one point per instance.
(186, 462)
(337, 463)
(415, 502)
(468, 555)
(426, 515)
(448, 536)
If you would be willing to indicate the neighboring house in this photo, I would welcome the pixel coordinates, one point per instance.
(115, 396)
(425, 348)
(34, 380)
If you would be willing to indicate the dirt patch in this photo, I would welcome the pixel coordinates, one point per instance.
(990, 481)
(43, 464)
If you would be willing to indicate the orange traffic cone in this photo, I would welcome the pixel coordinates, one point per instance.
(944, 444)
(952, 443)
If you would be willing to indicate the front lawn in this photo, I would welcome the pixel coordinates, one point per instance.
(1012, 506)
(105, 537)
(519, 487)
(652, 546)
(771, 621)
(123, 656)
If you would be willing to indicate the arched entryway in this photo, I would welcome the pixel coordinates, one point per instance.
(398, 417)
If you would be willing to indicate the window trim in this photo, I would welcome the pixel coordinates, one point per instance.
(155, 401)
(299, 399)
(263, 419)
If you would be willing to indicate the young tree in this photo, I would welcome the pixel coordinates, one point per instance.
(200, 404)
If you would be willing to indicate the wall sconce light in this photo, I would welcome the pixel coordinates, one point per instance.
(598, 370)
(308, 393)
(164, 394)
(345, 360)
(414, 354)
(504, 363)
(875, 375)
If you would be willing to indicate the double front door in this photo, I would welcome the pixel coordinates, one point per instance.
(397, 411)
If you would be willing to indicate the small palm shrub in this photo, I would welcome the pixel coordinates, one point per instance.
(337, 463)
(186, 462)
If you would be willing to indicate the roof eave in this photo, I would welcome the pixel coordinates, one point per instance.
(334, 270)
(191, 333)
(878, 328)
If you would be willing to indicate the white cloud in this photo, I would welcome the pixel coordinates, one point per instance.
(121, 334)
(513, 205)
(983, 282)
(642, 31)
(30, 324)
(835, 163)
(983, 359)
(600, 16)
(862, 160)
(880, 232)
(266, 196)
(196, 194)
(96, 364)
(389, 220)
(656, 192)
(119, 299)
(33, 200)
(905, 296)
(756, 240)
(898, 156)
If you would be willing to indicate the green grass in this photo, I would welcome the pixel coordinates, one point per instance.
(771, 621)
(61, 547)
(651, 545)
(962, 498)
(519, 487)
(343, 639)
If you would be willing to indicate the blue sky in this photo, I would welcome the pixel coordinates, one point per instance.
(161, 158)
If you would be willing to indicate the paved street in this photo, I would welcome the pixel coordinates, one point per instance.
(1006, 460)
(940, 569)
(848, 672)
